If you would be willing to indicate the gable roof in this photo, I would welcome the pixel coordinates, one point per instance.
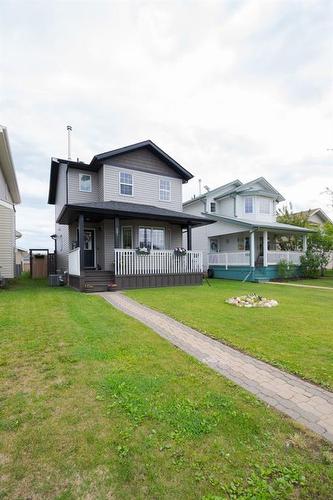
(98, 160)
(250, 187)
(315, 211)
(7, 166)
(184, 174)
(217, 193)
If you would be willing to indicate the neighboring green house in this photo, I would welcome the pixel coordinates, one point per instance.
(9, 197)
(243, 243)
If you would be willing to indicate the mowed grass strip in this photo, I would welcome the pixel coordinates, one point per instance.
(296, 336)
(95, 405)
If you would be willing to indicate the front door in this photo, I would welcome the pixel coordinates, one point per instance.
(89, 248)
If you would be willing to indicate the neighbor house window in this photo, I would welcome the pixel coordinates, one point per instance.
(153, 238)
(165, 190)
(126, 184)
(265, 206)
(213, 207)
(85, 183)
(248, 205)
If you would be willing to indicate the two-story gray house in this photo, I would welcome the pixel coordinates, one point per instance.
(119, 219)
(245, 241)
(9, 197)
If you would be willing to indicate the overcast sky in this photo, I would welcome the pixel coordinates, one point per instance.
(230, 89)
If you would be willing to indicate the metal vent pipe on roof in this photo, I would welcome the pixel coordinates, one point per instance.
(69, 130)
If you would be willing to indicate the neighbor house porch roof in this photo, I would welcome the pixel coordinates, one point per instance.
(253, 225)
(98, 211)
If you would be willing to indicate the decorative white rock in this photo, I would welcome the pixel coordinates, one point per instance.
(252, 300)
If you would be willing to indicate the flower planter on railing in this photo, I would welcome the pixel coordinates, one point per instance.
(180, 252)
(142, 251)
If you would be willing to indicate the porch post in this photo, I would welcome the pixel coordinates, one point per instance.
(116, 232)
(81, 240)
(265, 248)
(305, 242)
(252, 250)
(189, 237)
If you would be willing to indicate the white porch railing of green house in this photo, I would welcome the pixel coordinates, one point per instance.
(129, 263)
(74, 262)
(292, 257)
(229, 259)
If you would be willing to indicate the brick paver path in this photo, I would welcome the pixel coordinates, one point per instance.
(304, 402)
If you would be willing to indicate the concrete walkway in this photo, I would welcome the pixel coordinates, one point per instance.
(304, 402)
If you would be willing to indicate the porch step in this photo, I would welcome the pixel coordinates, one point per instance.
(97, 281)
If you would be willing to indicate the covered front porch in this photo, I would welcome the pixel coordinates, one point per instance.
(255, 255)
(125, 245)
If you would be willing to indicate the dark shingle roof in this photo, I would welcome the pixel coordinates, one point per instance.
(128, 210)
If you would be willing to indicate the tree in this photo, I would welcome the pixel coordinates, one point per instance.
(320, 244)
(285, 215)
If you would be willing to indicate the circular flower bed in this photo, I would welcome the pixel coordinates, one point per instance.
(252, 300)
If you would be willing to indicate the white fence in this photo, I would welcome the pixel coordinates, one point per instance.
(128, 262)
(229, 259)
(74, 262)
(274, 257)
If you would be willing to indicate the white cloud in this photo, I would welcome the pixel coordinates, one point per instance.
(229, 89)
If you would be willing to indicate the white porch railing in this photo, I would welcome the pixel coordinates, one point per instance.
(128, 262)
(274, 257)
(229, 259)
(74, 262)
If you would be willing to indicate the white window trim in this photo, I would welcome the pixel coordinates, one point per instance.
(210, 207)
(159, 191)
(122, 235)
(253, 205)
(152, 228)
(80, 177)
(125, 184)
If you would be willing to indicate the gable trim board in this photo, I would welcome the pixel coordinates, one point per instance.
(7, 166)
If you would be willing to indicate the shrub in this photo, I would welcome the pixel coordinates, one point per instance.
(286, 269)
(310, 264)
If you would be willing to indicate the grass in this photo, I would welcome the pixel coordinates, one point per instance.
(95, 405)
(296, 336)
(326, 281)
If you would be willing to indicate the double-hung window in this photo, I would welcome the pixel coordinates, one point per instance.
(125, 184)
(151, 237)
(213, 207)
(165, 190)
(248, 205)
(85, 183)
(265, 206)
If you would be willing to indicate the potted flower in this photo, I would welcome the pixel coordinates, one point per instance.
(180, 251)
(143, 251)
(112, 286)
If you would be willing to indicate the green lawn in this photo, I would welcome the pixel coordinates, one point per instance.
(297, 335)
(94, 405)
(326, 281)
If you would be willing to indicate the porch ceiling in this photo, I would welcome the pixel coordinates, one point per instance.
(98, 211)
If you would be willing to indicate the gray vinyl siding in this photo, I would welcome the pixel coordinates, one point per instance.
(4, 191)
(74, 193)
(61, 230)
(144, 161)
(7, 241)
(146, 188)
(109, 245)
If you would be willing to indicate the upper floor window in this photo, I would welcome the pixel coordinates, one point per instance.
(85, 183)
(126, 183)
(165, 190)
(248, 205)
(213, 207)
(265, 206)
